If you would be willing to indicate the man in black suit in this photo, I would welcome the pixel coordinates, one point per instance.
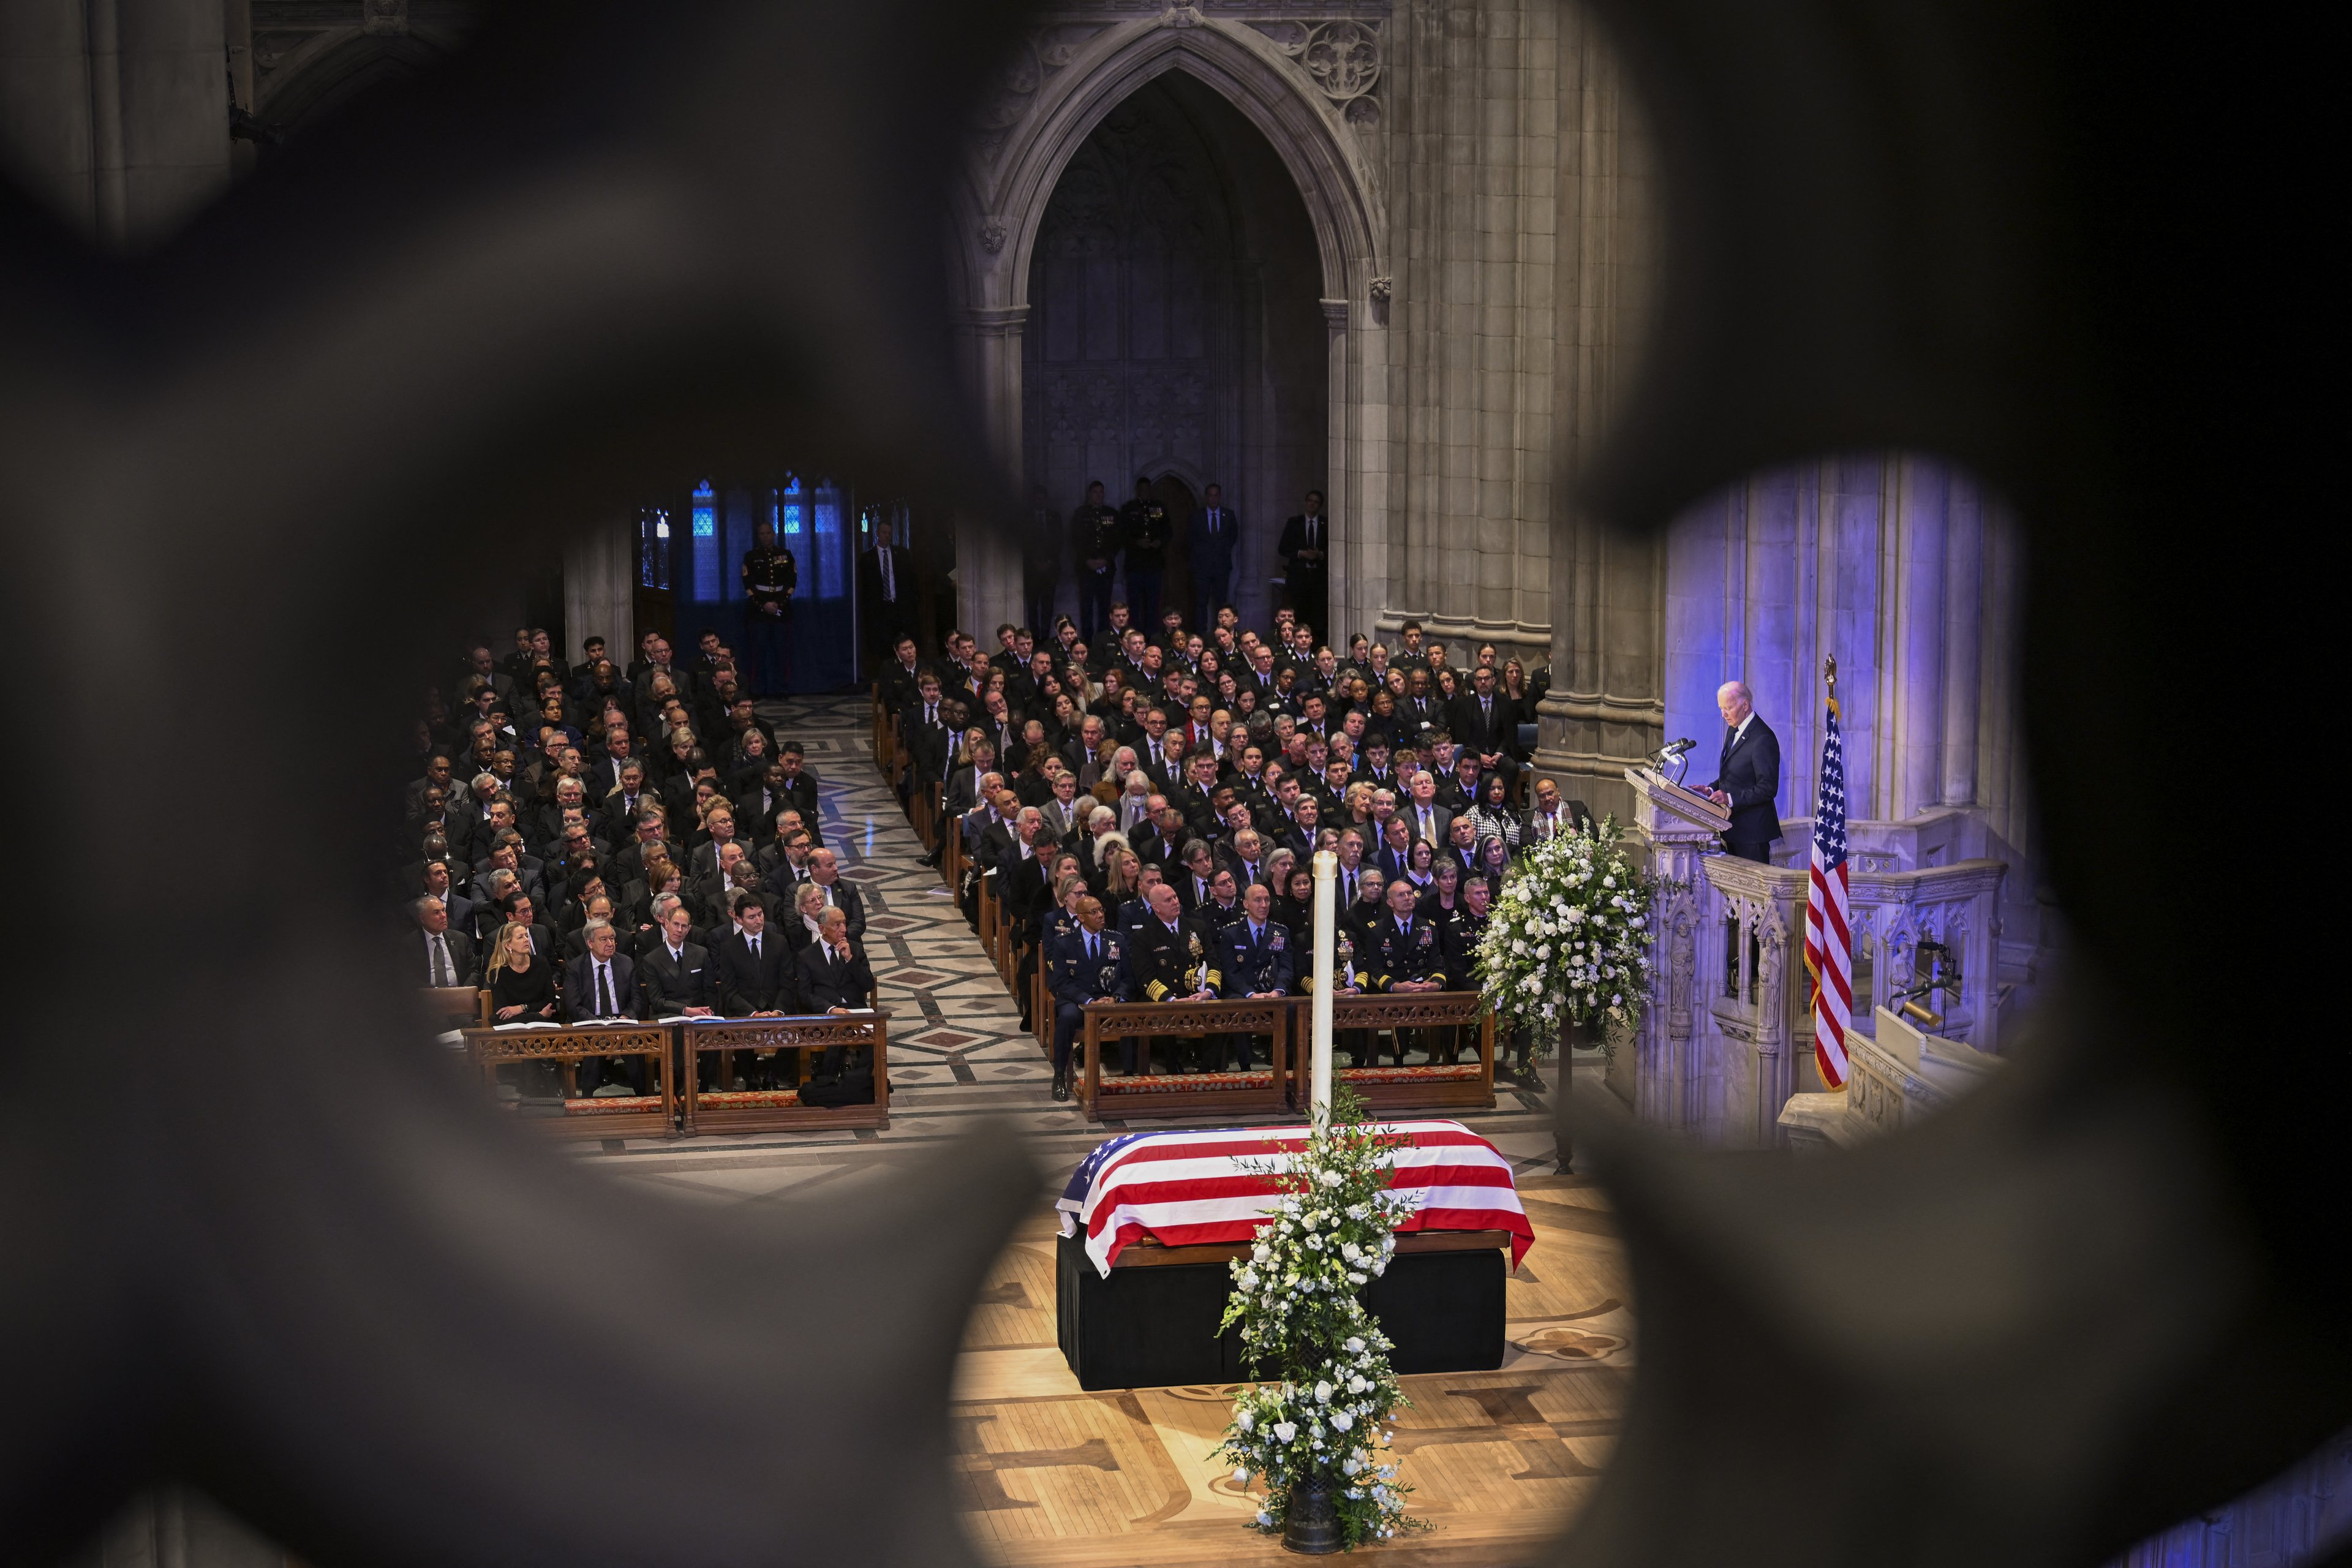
(885, 586)
(1305, 551)
(898, 677)
(1486, 724)
(824, 871)
(756, 973)
(1041, 559)
(1553, 816)
(1748, 779)
(1213, 538)
(677, 972)
(834, 979)
(439, 956)
(600, 986)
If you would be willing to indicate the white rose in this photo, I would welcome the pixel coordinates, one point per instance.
(1264, 1520)
(1518, 950)
(1356, 1345)
(1245, 1420)
(1286, 1430)
(1343, 1421)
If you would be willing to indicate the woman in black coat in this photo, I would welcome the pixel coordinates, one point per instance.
(523, 983)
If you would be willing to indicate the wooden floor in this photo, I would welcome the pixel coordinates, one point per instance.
(1050, 1474)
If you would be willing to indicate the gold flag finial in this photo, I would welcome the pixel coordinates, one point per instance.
(1829, 673)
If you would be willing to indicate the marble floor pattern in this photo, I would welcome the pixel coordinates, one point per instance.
(1045, 1472)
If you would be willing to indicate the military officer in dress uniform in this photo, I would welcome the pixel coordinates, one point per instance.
(1094, 553)
(1461, 947)
(1256, 960)
(1170, 962)
(1405, 956)
(1087, 964)
(769, 578)
(1143, 524)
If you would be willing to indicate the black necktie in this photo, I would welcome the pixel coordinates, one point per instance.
(605, 1008)
(755, 950)
(443, 970)
(1090, 944)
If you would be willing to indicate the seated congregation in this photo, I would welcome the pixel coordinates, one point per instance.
(597, 844)
(1130, 826)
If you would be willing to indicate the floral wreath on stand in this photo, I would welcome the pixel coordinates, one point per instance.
(1319, 1422)
(1569, 939)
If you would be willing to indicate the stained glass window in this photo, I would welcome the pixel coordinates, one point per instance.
(710, 579)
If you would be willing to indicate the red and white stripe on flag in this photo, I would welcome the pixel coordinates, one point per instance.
(1829, 953)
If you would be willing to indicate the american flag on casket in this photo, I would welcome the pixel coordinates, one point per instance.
(1191, 1187)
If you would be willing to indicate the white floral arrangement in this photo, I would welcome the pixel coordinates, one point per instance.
(1568, 940)
(1321, 1414)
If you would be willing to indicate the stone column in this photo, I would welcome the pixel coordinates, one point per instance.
(1914, 720)
(1606, 708)
(1963, 639)
(1477, 150)
(46, 124)
(600, 582)
(988, 563)
(116, 111)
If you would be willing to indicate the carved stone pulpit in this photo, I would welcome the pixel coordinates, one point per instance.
(1900, 1075)
(1679, 825)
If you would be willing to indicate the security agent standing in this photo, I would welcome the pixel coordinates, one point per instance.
(1094, 537)
(1143, 522)
(769, 576)
(1041, 560)
(1085, 964)
(1256, 958)
(1169, 959)
(1404, 955)
(1747, 780)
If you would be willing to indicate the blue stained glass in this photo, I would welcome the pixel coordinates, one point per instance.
(709, 583)
(793, 517)
(831, 553)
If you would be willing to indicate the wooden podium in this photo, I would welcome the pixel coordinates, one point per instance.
(1681, 825)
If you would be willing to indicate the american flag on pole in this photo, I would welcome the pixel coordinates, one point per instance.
(1829, 940)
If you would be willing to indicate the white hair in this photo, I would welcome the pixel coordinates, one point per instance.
(1738, 686)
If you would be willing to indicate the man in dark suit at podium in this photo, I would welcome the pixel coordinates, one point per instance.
(1748, 779)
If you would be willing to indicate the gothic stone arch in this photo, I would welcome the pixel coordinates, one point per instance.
(1312, 89)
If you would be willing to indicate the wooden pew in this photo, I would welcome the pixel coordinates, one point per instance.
(456, 1006)
(951, 852)
(768, 1111)
(1264, 1088)
(626, 1116)
(1434, 1087)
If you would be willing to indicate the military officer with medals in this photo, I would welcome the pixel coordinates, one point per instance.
(1167, 959)
(1347, 979)
(1087, 964)
(1143, 524)
(1094, 551)
(1258, 959)
(769, 578)
(1405, 957)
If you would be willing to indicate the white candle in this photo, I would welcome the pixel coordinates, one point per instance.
(1319, 1080)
